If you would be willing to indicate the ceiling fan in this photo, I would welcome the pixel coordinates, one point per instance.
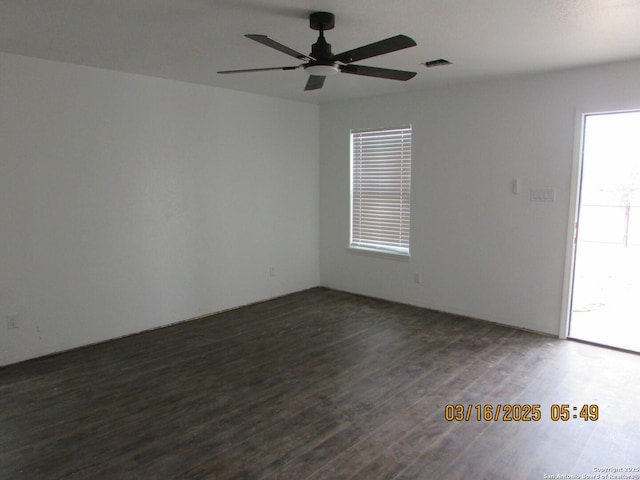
(321, 62)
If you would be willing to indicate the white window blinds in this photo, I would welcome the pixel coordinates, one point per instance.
(381, 189)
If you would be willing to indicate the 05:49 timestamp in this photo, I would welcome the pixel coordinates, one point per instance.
(566, 412)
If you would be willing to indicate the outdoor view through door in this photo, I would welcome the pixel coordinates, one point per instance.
(606, 282)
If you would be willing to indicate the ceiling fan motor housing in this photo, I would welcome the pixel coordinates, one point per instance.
(321, 50)
(323, 64)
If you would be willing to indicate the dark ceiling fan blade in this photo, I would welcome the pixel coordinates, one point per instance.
(315, 82)
(389, 45)
(263, 39)
(377, 72)
(260, 69)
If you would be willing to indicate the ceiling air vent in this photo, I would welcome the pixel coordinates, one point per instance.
(437, 63)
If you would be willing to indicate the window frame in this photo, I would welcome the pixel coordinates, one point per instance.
(402, 197)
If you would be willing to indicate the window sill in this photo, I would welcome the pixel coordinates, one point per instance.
(373, 252)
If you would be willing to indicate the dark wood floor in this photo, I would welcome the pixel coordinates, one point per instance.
(318, 384)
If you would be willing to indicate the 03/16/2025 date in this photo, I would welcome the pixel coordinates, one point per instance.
(518, 412)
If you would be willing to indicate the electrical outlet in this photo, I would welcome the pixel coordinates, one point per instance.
(417, 277)
(272, 271)
(12, 321)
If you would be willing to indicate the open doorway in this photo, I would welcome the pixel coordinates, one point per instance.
(605, 305)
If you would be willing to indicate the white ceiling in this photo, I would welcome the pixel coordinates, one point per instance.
(190, 40)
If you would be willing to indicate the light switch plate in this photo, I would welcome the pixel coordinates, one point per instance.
(543, 195)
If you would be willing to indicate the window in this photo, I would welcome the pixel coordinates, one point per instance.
(381, 189)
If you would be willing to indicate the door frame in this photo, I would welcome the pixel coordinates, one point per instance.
(574, 210)
(572, 228)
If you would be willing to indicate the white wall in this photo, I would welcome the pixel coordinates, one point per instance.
(482, 251)
(128, 202)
